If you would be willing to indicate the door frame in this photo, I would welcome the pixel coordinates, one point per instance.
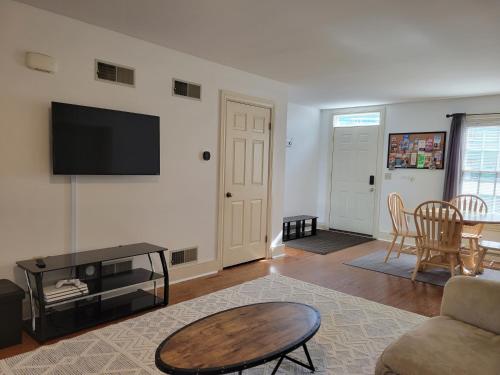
(225, 97)
(380, 159)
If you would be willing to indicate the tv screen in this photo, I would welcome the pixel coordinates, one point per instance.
(96, 141)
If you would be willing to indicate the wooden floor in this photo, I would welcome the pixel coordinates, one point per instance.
(325, 270)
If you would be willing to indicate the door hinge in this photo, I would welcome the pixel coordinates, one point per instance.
(269, 126)
(265, 238)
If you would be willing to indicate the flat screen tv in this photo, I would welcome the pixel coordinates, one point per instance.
(96, 141)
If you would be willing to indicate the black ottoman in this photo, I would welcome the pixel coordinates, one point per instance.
(11, 313)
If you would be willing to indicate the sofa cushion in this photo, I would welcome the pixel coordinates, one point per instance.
(474, 301)
(442, 345)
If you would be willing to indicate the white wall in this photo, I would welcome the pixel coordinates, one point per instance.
(302, 160)
(176, 209)
(417, 186)
(414, 185)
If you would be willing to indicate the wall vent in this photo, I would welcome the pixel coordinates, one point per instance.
(183, 256)
(110, 72)
(186, 89)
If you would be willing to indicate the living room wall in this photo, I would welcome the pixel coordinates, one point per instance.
(302, 160)
(176, 209)
(415, 186)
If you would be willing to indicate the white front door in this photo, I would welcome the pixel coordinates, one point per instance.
(355, 155)
(245, 182)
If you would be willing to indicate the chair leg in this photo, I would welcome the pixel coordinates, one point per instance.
(390, 248)
(475, 257)
(401, 245)
(453, 264)
(417, 265)
(472, 246)
(426, 256)
(482, 252)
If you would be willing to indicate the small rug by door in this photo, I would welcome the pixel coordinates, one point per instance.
(404, 266)
(353, 334)
(327, 241)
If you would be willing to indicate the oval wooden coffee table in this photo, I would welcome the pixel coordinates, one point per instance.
(237, 339)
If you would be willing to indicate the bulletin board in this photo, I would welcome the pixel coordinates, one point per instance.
(416, 150)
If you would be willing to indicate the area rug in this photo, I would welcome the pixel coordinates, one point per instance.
(327, 241)
(404, 266)
(353, 333)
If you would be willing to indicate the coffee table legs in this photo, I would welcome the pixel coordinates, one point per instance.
(309, 366)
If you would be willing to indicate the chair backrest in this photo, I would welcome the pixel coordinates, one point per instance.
(439, 225)
(470, 203)
(396, 211)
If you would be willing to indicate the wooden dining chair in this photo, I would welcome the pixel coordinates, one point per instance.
(399, 223)
(491, 247)
(439, 228)
(471, 233)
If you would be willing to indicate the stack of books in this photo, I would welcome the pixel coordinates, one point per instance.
(53, 294)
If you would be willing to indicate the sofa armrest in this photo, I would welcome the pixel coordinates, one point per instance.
(473, 301)
(382, 369)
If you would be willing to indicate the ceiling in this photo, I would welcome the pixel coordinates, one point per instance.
(332, 53)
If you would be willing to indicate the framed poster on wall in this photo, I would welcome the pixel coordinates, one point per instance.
(416, 150)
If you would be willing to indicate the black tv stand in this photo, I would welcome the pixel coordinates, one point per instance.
(51, 320)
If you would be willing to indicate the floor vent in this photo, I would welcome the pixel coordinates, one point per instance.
(110, 72)
(183, 256)
(186, 89)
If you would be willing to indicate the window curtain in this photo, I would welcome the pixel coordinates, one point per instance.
(454, 159)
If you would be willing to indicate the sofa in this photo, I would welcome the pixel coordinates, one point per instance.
(464, 339)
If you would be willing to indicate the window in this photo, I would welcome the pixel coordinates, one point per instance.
(357, 119)
(481, 160)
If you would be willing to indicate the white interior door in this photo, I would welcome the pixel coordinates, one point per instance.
(245, 182)
(355, 155)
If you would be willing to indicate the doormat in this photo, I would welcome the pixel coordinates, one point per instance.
(326, 242)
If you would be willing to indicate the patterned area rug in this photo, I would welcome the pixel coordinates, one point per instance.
(353, 333)
(404, 266)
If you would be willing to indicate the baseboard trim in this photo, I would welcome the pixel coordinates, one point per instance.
(323, 226)
(193, 277)
(277, 251)
(193, 271)
(384, 236)
(387, 237)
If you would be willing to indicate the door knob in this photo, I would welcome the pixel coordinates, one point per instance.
(229, 195)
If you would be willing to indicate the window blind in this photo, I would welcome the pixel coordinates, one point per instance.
(481, 159)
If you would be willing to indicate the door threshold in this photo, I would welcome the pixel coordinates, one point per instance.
(243, 263)
(351, 233)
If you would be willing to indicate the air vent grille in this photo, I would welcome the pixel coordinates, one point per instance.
(183, 256)
(124, 75)
(186, 89)
(110, 72)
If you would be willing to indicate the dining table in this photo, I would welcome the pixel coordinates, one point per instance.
(474, 218)
(471, 218)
